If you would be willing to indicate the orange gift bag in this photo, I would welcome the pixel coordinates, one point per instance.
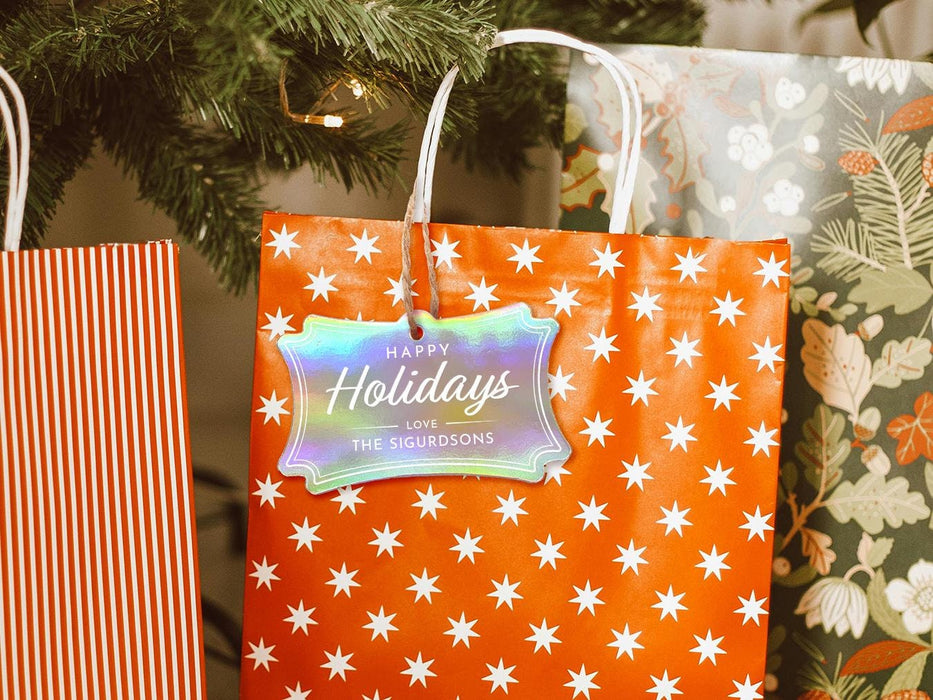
(638, 566)
(98, 555)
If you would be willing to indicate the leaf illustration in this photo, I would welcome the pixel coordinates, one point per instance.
(574, 123)
(872, 553)
(914, 115)
(816, 545)
(800, 576)
(914, 434)
(829, 201)
(579, 183)
(823, 447)
(908, 675)
(873, 502)
(682, 146)
(900, 361)
(883, 614)
(928, 475)
(731, 108)
(905, 290)
(835, 365)
(880, 656)
(713, 77)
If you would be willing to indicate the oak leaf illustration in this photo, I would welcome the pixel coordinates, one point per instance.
(914, 433)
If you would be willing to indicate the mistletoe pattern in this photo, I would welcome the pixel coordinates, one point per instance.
(835, 154)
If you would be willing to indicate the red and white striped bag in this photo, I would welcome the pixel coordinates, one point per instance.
(98, 566)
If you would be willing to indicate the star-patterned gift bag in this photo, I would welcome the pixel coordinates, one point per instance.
(98, 554)
(637, 568)
(837, 154)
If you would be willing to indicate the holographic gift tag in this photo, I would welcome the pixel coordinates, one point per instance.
(469, 397)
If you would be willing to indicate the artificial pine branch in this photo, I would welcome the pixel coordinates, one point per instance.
(184, 93)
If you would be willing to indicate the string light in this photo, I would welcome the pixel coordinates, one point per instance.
(328, 121)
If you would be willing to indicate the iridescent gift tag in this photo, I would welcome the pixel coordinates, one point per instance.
(469, 397)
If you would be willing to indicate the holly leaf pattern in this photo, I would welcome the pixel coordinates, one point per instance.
(873, 502)
(914, 433)
(901, 360)
(835, 365)
(579, 183)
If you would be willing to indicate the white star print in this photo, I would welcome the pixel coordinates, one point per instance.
(554, 470)
(300, 617)
(543, 636)
(665, 688)
(445, 252)
(396, 292)
(591, 513)
(713, 563)
(505, 592)
(283, 242)
(674, 519)
(563, 300)
(684, 350)
(419, 670)
(689, 265)
(679, 434)
(727, 309)
(597, 429)
(386, 541)
(751, 608)
(587, 598)
(630, 557)
(321, 285)
(343, 580)
(348, 498)
(510, 508)
(602, 345)
(500, 676)
(771, 271)
(707, 647)
(261, 654)
(625, 642)
(264, 574)
(718, 478)
(669, 603)
(767, 354)
(722, 393)
(582, 682)
(380, 624)
(644, 304)
(761, 440)
(756, 524)
(466, 546)
(305, 535)
(364, 247)
(423, 586)
(482, 295)
(524, 257)
(636, 474)
(338, 663)
(273, 408)
(375, 697)
(746, 690)
(297, 693)
(278, 324)
(461, 630)
(558, 384)
(268, 491)
(429, 502)
(607, 261)
(549, 552)
(640, 388)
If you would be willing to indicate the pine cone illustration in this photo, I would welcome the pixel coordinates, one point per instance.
(907, 695)
(927, 168)
(857, 162)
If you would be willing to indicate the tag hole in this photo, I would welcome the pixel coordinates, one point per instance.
(417, 333)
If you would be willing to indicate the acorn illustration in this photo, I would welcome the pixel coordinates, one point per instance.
(907, 695)
(857, 162)
(927, 168)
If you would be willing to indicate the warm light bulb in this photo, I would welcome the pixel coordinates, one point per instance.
(332, 121)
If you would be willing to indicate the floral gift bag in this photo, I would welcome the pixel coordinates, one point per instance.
(608, 536)
(837, 155)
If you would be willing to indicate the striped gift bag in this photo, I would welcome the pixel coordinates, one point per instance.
(98, 572)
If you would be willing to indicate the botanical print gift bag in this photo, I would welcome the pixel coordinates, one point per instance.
(558, 484)
(98, 554)
(837, 154)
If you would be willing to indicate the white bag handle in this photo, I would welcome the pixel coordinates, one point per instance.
(18, 146)
(631, 134)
